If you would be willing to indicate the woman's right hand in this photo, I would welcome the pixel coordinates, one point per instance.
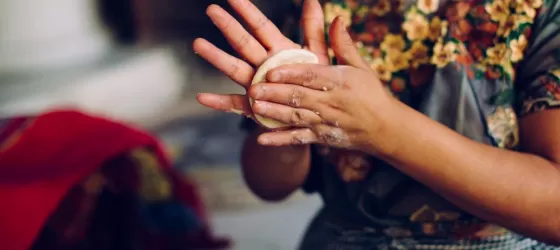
(263, 40)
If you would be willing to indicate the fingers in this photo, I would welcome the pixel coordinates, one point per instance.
(238, 104)
(296, 117)
(333, 136)
(323, 134)
(288, 137)
(236, 69)
(344, 47)
(314, 30)
(265, 31)
(313, 76)
(285, 94)
(243, 42)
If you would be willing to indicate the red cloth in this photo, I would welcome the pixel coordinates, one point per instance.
(52, 153)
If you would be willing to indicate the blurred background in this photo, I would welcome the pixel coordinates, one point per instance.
(131, 60)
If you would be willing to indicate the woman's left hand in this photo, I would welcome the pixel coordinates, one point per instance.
(341, 106)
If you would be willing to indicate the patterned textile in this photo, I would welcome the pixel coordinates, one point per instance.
(365, 241)
(472, 65)
(355, 237)
(71, 181)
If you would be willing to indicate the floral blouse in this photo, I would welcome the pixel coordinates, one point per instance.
(473, 65)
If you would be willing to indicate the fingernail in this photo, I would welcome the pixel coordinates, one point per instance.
(261, 107)
(265, 140)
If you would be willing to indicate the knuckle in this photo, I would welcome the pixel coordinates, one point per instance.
(339, 74)
(233, 69)
(297, 97)
(328, 136)
(333, 123)
(262, 22)
(323, 136)
(309, 77)
(318, 42)
(346, 85)
(298, 139)
(336, 105)
(243, 41)
(297, 118)
(225, 25)
(237, 104)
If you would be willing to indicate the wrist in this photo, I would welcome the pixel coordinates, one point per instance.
(383, 140)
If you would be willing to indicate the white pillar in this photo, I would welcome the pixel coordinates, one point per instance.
(56, 54)
(49, 34)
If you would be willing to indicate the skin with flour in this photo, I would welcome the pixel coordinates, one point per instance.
(335, 135)
(284, 57)
(287, 166)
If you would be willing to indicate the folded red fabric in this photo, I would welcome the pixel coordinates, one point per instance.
(42, 158)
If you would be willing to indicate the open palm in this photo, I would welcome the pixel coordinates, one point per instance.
(261, 41)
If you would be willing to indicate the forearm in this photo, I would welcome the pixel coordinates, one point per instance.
(516, 190)
(273, 173)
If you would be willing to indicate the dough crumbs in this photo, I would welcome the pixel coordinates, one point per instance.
(236, 111)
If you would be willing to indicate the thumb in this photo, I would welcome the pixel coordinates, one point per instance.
(343, 46)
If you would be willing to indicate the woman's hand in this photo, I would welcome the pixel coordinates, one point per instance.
(255, 46)
(340, 106)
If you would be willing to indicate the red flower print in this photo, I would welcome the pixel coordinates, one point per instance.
(457, 11)
(460, 30)
(493, 73)
(377, 30)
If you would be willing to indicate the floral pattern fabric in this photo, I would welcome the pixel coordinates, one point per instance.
(405, 42)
